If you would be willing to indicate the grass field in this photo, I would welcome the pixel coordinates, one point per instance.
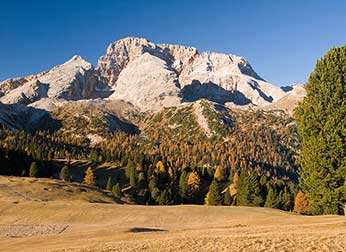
(49, 215)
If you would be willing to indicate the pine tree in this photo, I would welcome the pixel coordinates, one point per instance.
(116, 191)
(65, 173)
(214, 197)
(286, 200)
(273, 200)
(154, 190)
(183, 186)
(227, 200)
(89, 178)
(109, 184)
(243, 189)
(34, 170)
(141, 179)
(131, 173)
(94, 157)
(164, 198)
(321, 124)
(256, 198)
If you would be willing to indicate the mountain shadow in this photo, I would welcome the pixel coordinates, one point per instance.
(254, 85)
(29, 119)
(117, 124)
(287, 88)
(212, 92)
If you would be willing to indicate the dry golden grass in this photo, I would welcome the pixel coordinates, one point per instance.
(52, 219)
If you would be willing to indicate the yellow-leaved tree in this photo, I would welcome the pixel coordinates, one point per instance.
(89, 178)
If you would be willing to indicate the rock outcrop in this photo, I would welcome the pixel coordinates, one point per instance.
(75, 79)
(148, 83)
(294, 95)
(145, 80)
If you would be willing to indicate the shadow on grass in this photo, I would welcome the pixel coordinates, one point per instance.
(145, 230)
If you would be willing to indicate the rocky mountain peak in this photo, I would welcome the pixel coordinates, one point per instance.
(75, 79)
(119, 54)
(149, 76)
(215, 76)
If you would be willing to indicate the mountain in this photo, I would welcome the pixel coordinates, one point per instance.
(75, 79)
(153, 76)
(133, 83)
(150, 77)
(294, 94)
(170, 121)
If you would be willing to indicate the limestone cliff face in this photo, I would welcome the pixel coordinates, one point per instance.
(179, 56)
(149, 83)
(73, 80)
(119, 54)
(7, 85)
(214, 76)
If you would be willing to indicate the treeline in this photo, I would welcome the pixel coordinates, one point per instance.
(254, 167)
(158, 183)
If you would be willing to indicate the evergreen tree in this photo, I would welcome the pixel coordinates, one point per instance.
(214, 197)
(286, 200)
(89, 178)
(109, 184)
(273, 200)
(141, 179)
(94, 157)
(321, 124)
(34, 170)
(154, 190)
(131, 173)
(256, 198)
(116, 191)
(243, 189)
(227, 200)
(183, 186)
(164, 198)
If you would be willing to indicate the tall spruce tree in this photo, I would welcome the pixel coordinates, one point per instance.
(109, 184)
(321, 124)
(273, 199)
(131, 173)
(116, 190)
(256, 198)
(227, 199)
(243, 189)
(214, 196)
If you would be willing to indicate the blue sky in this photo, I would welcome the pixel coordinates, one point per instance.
(281, 39)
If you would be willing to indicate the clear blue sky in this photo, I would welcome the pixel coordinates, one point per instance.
(281, 39)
